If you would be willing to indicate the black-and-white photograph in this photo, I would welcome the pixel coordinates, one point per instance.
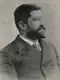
(29, 40)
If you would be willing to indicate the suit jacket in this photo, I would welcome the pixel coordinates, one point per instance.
(19, 60)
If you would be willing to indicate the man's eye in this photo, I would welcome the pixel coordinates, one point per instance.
(35, 19)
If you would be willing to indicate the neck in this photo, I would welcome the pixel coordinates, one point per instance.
(28, 38)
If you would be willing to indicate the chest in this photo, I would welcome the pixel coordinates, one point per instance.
(30, 60)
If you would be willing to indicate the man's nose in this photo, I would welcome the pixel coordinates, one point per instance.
(42, 27)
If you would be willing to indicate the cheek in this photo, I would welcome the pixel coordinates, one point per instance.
(34, 24)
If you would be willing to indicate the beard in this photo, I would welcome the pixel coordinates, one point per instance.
(35, 35)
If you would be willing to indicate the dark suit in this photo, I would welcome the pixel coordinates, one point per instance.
(19, 59)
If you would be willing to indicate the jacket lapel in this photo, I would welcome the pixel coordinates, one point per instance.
(28, 50)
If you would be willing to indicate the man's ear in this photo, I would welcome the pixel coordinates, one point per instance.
(22, 25)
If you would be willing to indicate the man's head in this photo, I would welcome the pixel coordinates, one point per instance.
(28, 21)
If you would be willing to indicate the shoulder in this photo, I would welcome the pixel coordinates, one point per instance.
(6, 69)
(5, 52)
(8, 47)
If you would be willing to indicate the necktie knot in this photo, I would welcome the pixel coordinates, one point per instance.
(37, 47)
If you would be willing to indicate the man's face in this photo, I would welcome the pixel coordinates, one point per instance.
(37, 30)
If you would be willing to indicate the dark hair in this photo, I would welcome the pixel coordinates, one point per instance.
(23, 12)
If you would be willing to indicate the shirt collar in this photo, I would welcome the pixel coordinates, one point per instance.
(29, 41)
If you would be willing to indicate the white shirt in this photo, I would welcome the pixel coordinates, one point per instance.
(30, 41)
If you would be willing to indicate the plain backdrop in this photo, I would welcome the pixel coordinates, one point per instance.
(51, 20)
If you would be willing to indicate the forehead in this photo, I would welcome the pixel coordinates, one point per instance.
(36, 13)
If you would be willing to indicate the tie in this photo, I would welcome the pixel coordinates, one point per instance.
(37, 47)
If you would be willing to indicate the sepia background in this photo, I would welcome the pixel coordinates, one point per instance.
(50, 15)
(51, 20)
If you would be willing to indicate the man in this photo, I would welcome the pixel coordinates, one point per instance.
(28, 57)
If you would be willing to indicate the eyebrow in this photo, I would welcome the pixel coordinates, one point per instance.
(36, 18)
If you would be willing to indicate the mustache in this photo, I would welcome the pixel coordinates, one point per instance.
(41, 27)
